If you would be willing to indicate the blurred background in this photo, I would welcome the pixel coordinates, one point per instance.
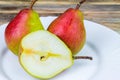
(60, 0)
(105, 12)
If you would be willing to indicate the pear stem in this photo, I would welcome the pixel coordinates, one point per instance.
(32, 3)
(82, 57)
(80, 3)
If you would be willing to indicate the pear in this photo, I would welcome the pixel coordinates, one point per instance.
(43, 55)
(69, 27)
(26, 21)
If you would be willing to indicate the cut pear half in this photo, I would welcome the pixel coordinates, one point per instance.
(44, 55)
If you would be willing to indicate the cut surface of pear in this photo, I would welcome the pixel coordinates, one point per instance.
(44, 55)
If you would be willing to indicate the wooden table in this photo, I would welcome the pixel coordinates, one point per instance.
(105, 13)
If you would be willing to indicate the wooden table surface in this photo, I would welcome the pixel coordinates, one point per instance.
(105, 13)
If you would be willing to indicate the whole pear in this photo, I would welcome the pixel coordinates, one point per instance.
(26, 21)
(69, 27)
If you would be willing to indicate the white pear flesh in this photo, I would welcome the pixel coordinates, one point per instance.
(44, 55)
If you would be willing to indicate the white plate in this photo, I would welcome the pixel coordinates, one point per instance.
(102, 44)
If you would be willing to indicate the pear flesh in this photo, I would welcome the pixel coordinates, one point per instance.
(44, 55)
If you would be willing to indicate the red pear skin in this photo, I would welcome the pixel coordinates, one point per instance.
(26, 21)
(69, 27)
